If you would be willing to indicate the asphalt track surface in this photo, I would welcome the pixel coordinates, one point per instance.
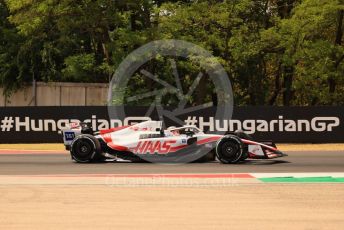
(60, 163)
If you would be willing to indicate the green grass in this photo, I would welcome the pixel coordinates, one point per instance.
(328, 179)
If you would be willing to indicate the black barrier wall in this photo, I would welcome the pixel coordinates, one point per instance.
(281, 124)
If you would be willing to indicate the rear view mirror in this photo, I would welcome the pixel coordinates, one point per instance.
(162, 134)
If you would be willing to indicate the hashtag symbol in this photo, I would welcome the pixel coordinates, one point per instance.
(191, 120)
(7, 124)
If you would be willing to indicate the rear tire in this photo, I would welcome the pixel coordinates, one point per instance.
(230, 149)
(86, 148)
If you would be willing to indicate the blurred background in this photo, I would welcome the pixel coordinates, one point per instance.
(276, 52)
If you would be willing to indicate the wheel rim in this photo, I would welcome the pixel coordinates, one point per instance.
(83, 150)
(229, 150)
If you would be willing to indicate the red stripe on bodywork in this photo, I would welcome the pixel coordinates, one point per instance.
(106, 137)
(207, 140)
(117, 147)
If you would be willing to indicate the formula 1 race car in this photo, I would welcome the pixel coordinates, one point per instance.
(149, 142)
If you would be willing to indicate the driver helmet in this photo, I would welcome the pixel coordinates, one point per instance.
(173, 131)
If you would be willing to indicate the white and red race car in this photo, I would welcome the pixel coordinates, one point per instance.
(148, 141)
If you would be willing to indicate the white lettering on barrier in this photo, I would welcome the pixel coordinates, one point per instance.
(321, 124)
(317, 124)
(250, 126)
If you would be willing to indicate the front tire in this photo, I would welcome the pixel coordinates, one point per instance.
(230, 149)
(85, 148)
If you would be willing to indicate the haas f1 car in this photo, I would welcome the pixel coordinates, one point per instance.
(148, 141)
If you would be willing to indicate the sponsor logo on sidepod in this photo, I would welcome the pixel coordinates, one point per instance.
(151, 147)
